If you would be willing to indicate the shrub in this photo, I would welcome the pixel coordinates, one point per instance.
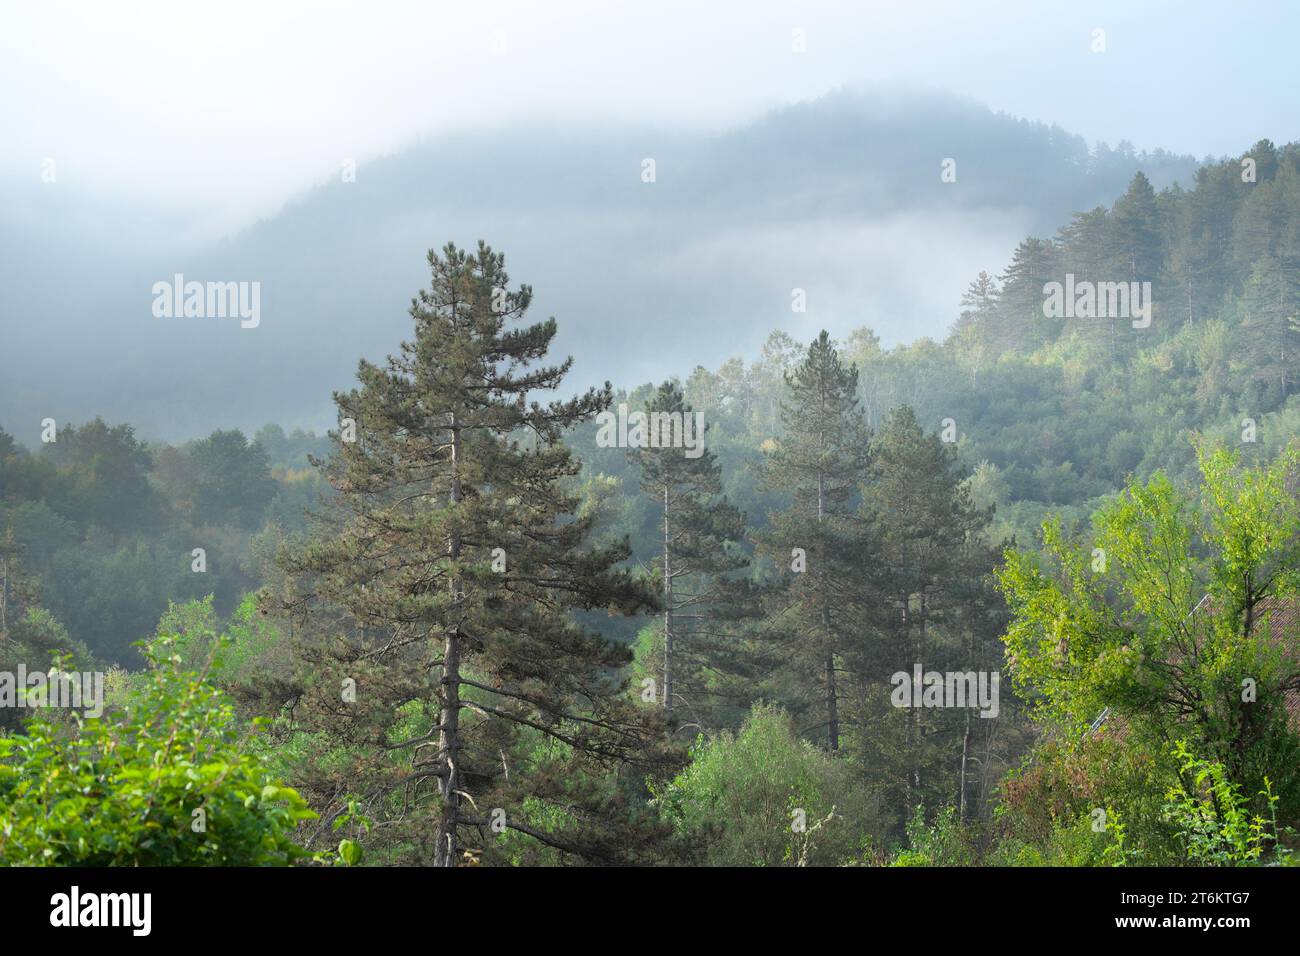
(159, 781)
(1211, 814)
(764, 797)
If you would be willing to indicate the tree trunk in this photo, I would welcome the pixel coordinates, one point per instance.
(917, 711)
(966, 735)
(965, 751)
(832, 703)
(911, 714)
(445, 853)
(668, 607)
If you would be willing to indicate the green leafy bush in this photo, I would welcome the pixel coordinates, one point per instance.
(159, 781)
(942, 844)
(764, 797)
(1049, 808)
(1213, 818)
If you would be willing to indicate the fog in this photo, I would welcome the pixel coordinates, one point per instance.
(840, 197)
(794, 148)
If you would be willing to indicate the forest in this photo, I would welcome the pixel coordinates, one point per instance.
(1026, 596)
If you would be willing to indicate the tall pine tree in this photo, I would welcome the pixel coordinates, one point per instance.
(698, 537)
(444, 575)
(819, 462)
(928, 609)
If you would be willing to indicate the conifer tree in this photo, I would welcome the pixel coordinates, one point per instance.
(1020, 324)
(444, 574)
(1271, 325)
(974, 329)
(928, 535)
(819, 461)
(1136, 233)
(1085, 254)
(1206, 226)
(699, 532)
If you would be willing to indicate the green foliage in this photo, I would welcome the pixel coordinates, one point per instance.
(160, 781)
(696, 552)
(736, 802)
(942, 843)
(106, 525)
(232, 478)
(818, 464)
(1070, 843)
(1165, 616)
(1054, 414)
(448, 579)
(928, 602)
(1212, 816)
(1089, 803)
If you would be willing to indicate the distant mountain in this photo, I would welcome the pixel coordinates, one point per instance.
(841, 197)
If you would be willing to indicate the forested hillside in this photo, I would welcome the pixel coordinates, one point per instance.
(502, 637)
(840, 190)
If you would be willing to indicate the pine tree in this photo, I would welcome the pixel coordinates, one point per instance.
(1137, 255)
(1271, 326)
(1203, 261)
(1135, 229)
(445, 572)
(1085, 254)
(819, 461)
(974, 328)
(1020, 324)
(928, 535)
(698, 546)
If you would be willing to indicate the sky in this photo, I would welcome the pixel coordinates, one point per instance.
(235, 107)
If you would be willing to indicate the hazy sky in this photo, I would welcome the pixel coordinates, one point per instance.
(237, 105)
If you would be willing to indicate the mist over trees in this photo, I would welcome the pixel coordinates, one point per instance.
(840, 193)
(470, 632)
